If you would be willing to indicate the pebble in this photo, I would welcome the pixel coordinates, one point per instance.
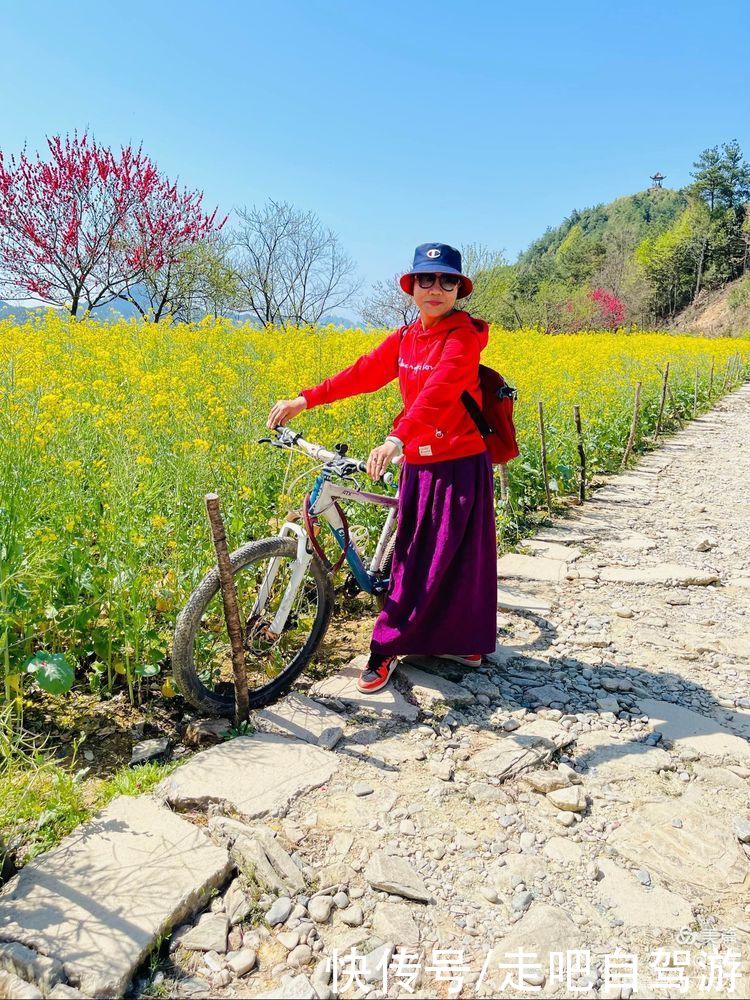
(361, 788)
(442, 769)
(319, 908)
(353, 915)
(302, 955)
(521, 901)
(289, 939)
(565, 819)
(241, 963)
(279, 911)
(527, 840)
(212, 961)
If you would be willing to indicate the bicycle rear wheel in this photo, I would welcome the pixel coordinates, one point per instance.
(201, 652)
(386, 569)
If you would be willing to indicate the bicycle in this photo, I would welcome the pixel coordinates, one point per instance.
(286, 582)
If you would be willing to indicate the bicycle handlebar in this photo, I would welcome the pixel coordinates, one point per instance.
(288, 438)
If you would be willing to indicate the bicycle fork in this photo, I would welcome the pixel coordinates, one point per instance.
(301, 565)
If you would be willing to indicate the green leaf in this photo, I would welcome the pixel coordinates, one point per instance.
(147, 669)
(52, 671)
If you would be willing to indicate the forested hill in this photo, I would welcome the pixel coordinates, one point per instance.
(634, 216)
(643, 259)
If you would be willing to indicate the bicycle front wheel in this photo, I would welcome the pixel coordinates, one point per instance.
(202, 653)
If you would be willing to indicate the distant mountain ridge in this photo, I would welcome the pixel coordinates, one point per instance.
(119, 309)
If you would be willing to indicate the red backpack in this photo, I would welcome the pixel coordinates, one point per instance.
(495, 418)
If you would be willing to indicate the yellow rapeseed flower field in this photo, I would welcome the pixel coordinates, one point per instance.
(111, 434)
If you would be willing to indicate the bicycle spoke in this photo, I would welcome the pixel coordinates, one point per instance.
(267, 654)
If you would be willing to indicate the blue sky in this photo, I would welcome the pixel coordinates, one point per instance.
(477, 122)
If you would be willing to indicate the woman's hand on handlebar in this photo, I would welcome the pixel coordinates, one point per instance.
(285, 409)
(379, 458)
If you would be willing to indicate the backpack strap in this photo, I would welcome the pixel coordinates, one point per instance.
(475, 413)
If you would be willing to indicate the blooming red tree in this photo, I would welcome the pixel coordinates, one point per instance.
(81, 227)
(611, 309)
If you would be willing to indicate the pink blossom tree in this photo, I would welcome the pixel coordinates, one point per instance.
(611, 310)
(84, 225)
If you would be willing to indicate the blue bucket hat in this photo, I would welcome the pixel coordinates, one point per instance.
(436, 258)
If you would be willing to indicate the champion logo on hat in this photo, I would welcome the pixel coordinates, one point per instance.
(433, 253)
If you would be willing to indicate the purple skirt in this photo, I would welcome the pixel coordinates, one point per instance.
(442, 597)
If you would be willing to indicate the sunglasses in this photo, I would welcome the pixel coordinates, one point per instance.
(447, 281)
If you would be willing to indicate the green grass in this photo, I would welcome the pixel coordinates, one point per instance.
(42, 801)
(133, 780)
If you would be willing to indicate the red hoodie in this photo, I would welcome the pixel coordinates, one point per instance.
(433, 366)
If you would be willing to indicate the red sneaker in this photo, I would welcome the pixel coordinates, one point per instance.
(475, 660)
(377, 673)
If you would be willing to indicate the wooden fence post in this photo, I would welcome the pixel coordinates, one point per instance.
(695, 394)
(665, 376)
(581, 454)
(504, 482)
(231, 611)
(633, 425)
(725, 380)
(544, 456)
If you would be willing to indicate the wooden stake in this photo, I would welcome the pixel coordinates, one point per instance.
(675, 410)
(504, 483)
(633, 426)
(695, 394)
(231, 611)
(724, 381)
(664, 378)
(711, 379)
(544, 456)
(581, 455)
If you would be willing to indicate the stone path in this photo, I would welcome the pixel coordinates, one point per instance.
(588, 787)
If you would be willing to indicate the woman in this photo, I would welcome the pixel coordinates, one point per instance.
(442, 598)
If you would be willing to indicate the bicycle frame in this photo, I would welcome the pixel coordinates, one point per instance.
(322, 503)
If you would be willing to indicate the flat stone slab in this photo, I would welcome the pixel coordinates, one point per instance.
(612, 758)
(393, 874)
(306, 719)
(636, 905)
(209, 934)
(543, 929)
(519, 599)
(700, 857)
(634, 542)
(429, 688)
(670, 574)
(25, 963)
(514, 565)
(685, 728)
(562, 535)
(551, 550)
(99, 900)
(253, 775)
(343, 687)
(394, 922)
